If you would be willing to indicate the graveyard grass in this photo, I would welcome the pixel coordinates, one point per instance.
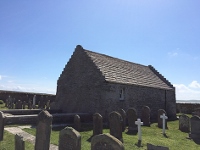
(175, 138)
(2, 107)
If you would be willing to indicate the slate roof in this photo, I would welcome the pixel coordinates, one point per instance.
(124, 72)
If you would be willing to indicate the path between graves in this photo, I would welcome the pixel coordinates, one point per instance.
(26, 136)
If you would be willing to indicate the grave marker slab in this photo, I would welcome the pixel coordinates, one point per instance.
(163, 117)
(43, 130)
(106, 142)
(184, 123)
(195, 127)
(2, 123)
(115, 121)
(123, 114)
(97, 124)
(69, 139)
(146, 116)
(160, 121)
(139, 123)
(77, 123)
(19, 142)
(132, 117)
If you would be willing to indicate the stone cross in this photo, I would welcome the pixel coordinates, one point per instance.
(163, 119)
(139, 123)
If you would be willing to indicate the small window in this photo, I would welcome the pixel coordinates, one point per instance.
(121, 94)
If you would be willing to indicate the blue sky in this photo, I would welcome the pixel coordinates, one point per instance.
(37, 38)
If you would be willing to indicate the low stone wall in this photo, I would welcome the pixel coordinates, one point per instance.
(187, 108)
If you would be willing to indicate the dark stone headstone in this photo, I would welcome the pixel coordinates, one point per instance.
(43, 131)
(160, 120)
(131, 115)
(115, 123)
(123, 114)
(184, 123)
(106, 142)
(24, 105)
(69, 139)
(19, 142)
(97, 124)
(2, 123)
(195, 127)
(146, 112)
(77, 123)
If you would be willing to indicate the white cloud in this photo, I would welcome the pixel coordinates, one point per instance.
(172, 54)
(194, 84)
(0, 77)
(184, 92)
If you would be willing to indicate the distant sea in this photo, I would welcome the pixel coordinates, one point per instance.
(188, 101)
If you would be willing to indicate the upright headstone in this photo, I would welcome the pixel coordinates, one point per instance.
(29, 104)
(115, 121)
(139, 123)
(18, 105)
(43, 131)
(132, 117)
(19, 142)
(48, 105)
(2, 121)
(184, 123)
(34, 100)
(164, 118)
(146, 116)
(97, 124)
(106, 142)
(69, 139)
(195, 127)
(77, 123)
(24, 105)
(160, 121)
(123, 114)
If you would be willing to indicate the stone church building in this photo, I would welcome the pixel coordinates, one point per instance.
(93, 82)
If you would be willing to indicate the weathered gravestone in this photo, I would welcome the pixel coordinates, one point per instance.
(195, 127)
(43, 131)
(48, 105)
(69, 139)
(146, 116)
(18, 104)
(19, 142)
(160, 120)
(24, 105)
(184, 123)
(29, 104)
(123, 114)
(132, 117)
(115, 121)
(106, 142)
(2, 121)
(97, 124)
(153, 147)
(77, 123)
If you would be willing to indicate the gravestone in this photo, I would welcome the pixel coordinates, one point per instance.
(160, 120)
(115, 121)
(123, 114)
(106, 142)
(24, 105)
(184, 123)
(43, 131)
(195, 127)
(2, 123)
(19, 142)
(139, 123)
(164, 119)
(146, 116)
(48, 105)
(97, 124)
(153, 147)
(29, 105)
(69, 139)
(39, 105)
(197, 112)
(77, 123)
(132, 117)
(18, 104)
(34, 100)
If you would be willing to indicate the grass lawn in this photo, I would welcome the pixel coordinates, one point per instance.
(2, 107)
(175, 138)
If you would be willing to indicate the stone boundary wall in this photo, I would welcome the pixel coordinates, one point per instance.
(26, 96)
(187, 108)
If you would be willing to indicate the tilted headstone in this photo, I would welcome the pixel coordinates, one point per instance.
(77, 123)
(106, 142)
(153, 147)
(69, 139)
(97, 124)
(160, 120)
(131, 115)
(19, 142)
(2, 123)
(195, 127)
(115, 121)
(123, 114)
(43, 131)
(184, 123)
(146, 112)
